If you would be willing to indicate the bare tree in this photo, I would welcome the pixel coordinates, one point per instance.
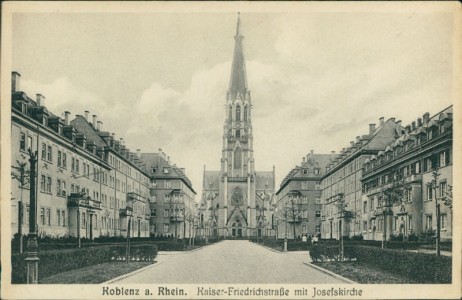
(21, 174)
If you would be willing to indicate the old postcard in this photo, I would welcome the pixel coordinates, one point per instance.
(230, 150)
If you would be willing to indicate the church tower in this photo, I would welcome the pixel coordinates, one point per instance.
(236, 198)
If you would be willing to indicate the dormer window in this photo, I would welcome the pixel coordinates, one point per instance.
(317, 171)
(154, 170)
(305, 171)
(166, 170)
(45, 121)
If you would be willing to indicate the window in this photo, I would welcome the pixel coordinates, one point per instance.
(318, 214)
(238, 112)
(238, 133)
(443, 221)
(42, 183)
(29, 142)
(166, 228)
(166, 213)
(245, 113)
(317, 171)
(59, 158)
(58, 217)
(318, 199)
(305, 171)
(77, 165)
(318, 186)
(364, 206)
(154, 170)
(443, 186)
(428, 223)
(49, 157)
(364, 224)
(317, 228)
(237, 158)
(63, 213)
(153, 212)
(73, 164)
(49, 184)
(44, 151)
(42, 216)
(429, 192)
(22, 142)
(230, 112)
(305, 200)
(409, 219)
(58, 187)
(417, 167)
(27, 215)
(166, 170)
(304, 228)
(64, 160)
(84, 221)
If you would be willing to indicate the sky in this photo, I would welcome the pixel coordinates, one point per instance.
(159, 79)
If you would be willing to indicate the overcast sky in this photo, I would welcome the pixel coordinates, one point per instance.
(160, 79)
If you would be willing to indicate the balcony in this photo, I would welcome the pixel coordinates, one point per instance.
(135, 197)
(126, 212)
(82, 200)
(174, 219)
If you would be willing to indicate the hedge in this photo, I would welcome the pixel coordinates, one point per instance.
(425, 268)
(58, 261)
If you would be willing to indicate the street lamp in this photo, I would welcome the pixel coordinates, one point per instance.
(32, 246)
(341, 208)
(434, 183)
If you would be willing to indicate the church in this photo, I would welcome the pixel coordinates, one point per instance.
(237, 201)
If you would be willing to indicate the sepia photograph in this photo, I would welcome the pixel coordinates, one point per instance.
(233, 150)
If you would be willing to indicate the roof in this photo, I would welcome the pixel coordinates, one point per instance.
(83, 126)
(238, 80)
(314, 161)
(157, 160)
(211, 178)
(264, 180)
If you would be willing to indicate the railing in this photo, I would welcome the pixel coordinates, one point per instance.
(77, 199)
(237, 179)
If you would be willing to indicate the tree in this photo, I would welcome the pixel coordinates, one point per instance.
(391, 195)
(176, 210)
(292, 211)
(21, 174)
(434, 184)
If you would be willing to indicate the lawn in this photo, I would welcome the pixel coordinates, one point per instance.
(363, 273)
(95, 274)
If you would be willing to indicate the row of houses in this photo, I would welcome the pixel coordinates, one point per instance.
(89, 183)
(390, 181)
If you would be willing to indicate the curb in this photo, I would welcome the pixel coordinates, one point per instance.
(189, 251)
(330, 273)
(269, 248)
(113, 280)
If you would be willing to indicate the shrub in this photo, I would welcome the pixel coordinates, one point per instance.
(425, 268)
(319, 253)
(57, 261)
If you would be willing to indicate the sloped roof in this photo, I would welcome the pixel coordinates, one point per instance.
(383, 136)
(157, 160)
(263, 178)
(83, 126)
(211, 177)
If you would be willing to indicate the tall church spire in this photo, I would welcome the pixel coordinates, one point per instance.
(238, 81)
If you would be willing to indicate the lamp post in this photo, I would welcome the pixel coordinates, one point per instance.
(434, 183)
(23, 180)
(32, 259)
(341, 208)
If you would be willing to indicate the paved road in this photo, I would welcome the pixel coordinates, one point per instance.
(231, 262)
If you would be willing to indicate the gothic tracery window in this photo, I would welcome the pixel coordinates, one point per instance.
(245, 113)
(237, 158)
(230, 112)
(238, 112)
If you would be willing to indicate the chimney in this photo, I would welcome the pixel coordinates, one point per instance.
(426, 118)
(371, 128)
(94, 121)
(332, 152)
(40, 100)
(303, 159)
(358, 139)
(352, 143)
(183, 170)
(87, 115)
(66, 117)
(393, 119)
(419, 122)
(168, 159)
(382, 121)
(160, 151)
(121, 141)
(398, 124)
(413, 125)
(408, 129)
(138, 153)
(311, 151)
(100, 125)
(15, 78)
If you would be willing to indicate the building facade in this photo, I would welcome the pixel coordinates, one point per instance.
(341, 184)
(171, 197)
(88, 183)
(424, 147)
(298, 204)
(236, 201)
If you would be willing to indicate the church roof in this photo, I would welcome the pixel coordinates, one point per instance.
(211, 180)
(264, 178)
(238, 81)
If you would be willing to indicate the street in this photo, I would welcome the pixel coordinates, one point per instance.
(231, 262)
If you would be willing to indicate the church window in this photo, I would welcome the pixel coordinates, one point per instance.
(237, 158)
(238, 133)
(245, 113)
(230, 112)
(238, 113)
